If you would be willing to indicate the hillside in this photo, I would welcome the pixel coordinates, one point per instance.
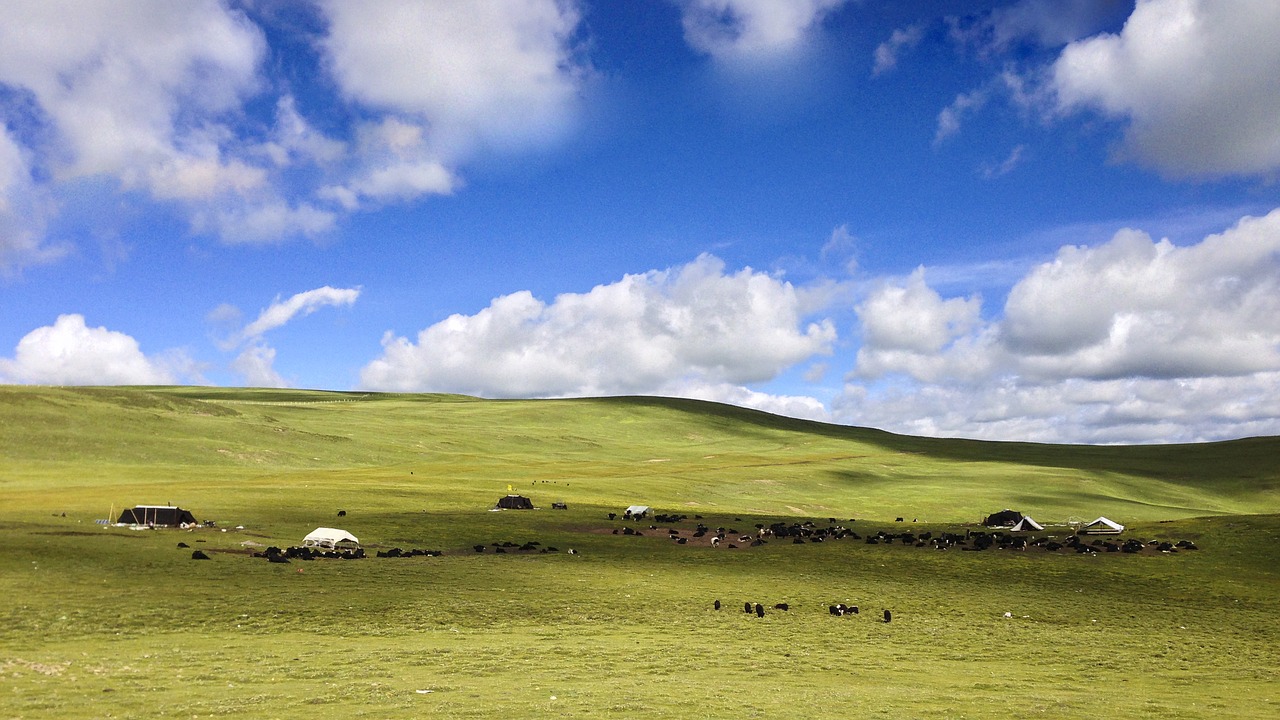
(115, 446)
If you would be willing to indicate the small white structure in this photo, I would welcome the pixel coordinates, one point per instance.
(1026, 524)
(1101, 526)
(330, 539)
(637, 511)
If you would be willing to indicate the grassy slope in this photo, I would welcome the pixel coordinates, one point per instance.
(121, 617)
(666, 453)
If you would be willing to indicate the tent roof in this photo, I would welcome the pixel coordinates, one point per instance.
(330, 534)
(633, 509)
(1105, 523)
(156, 515)
(1026, 523)
(1004, 517)
(514, 502)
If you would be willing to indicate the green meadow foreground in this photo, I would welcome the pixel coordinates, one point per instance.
(102, 621)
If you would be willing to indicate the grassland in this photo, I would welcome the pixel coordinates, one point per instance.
(103, 621)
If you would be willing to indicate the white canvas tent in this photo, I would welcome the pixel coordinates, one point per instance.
(330, 538)
(1026, 524)
(1102, 526)
(636, 511)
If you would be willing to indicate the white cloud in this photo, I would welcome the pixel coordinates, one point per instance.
(1126, 410)
(887, 52)
(1052, 23)
(150, 94)
(1138, 307)
(303, 303)
(841, 248)
(255, 362)
(796, 406)
(161, 100)
(269, 221)
(694, 325)
(294, 140)
(71, 353)
(24, 209)
(751, 29)
(1006, 166)
(499, 73)
(1134, 340)
(1193, 79)
(135, 88)
(949, 118)
(908, 328)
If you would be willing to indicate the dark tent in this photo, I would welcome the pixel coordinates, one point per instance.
(514, 502)
(158, 515)
(1002, 518)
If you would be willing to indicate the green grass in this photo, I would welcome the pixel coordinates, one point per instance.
(114, 621)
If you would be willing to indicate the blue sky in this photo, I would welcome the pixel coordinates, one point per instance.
(1051, 220)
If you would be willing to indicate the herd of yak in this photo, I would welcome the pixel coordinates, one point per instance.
(796, 532)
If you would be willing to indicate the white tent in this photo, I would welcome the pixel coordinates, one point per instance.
(636, 511)
(330, 538)
(1102, 526)
(1026, 524)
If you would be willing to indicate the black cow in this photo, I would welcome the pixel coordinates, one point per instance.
(782, 606)
(746, 607)
(759, 610)
(888, 616)
(342, 513)
(717, 604)
(199, 555)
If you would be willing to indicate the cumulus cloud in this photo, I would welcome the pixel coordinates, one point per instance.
(71, 353)
(500, 73)
(751, 29)
(1135, 340)
(165, 101)
(1193, 81)
(135, 89)
(151, 95)
(1140, 307)
(692, 325)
